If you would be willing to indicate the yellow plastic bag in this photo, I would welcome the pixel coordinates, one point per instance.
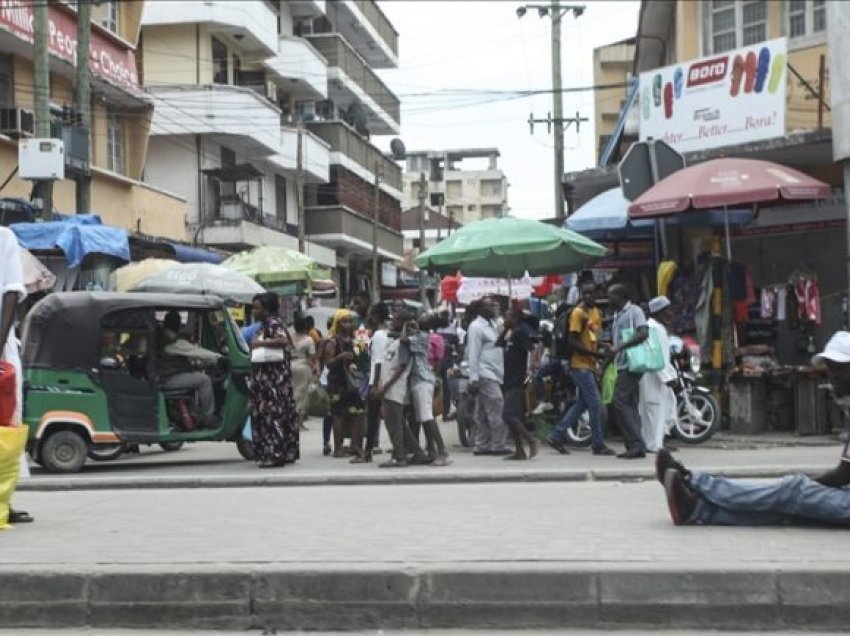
(12, 442)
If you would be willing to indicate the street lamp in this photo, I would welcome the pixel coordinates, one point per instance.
(555, 11)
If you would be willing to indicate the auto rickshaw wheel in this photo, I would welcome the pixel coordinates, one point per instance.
(64, 452)
(106, 452)
(246, 449)
(170, 447)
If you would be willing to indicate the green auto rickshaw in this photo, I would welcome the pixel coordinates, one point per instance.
(94, 374)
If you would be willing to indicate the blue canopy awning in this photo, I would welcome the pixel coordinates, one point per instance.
(605, 217)
(186, 254)
(76, 237)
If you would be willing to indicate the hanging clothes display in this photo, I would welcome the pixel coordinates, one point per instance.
(807, 293)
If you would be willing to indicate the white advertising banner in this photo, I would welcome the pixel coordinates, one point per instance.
(720, 100)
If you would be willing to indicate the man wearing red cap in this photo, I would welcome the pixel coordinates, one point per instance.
(700, 498)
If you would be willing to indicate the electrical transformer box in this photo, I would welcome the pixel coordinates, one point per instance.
(41, 159)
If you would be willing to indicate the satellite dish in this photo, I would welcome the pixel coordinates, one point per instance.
(398, 149)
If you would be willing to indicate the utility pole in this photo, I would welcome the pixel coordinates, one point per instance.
(41, 81)
(299, 189)
(423, 193)
(556, 12)
(82, 97)
(376, 281)
(557, 107)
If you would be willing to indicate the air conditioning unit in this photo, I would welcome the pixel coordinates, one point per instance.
(303, 29)
(16, 122)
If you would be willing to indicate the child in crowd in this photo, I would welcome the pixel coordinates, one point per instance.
(421, 384)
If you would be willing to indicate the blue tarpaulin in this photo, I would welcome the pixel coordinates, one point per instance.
(186, 254)
(77, 237)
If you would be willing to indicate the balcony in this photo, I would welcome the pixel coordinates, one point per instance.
(301, 67)
(341, 228)
(356, 154)
(315, 155)
(250, 24)
(240, 234)
(243, 119)
(367, 28)
(352, 81)
(307, 8)
(620, 54)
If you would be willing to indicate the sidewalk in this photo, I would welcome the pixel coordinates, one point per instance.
(483, 556)
(218, 465)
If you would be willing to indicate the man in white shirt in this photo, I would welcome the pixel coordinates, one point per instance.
(657, 405)
(12, 292)
(486, 373)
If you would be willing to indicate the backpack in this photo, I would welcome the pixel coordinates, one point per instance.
(561, 336)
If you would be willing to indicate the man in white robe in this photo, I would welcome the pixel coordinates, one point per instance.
(12, 292)
(657, 405)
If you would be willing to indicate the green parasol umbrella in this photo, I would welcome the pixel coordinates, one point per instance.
(271, 266)
(508, 246)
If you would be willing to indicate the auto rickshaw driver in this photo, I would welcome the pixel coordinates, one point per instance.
(179, 362)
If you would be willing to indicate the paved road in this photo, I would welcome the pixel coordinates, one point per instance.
(205, 463)
(585, 524)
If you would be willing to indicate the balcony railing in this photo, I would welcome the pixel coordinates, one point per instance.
(339, 54)
(372, 12)
(344, 139)
(298, 62)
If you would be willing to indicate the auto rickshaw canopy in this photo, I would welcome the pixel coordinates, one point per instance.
(62, 331)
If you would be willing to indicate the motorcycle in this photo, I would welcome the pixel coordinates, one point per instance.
(698, 414)
(463, 402)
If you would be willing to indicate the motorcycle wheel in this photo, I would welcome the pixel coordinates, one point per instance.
(106, 452)
(581, 434)
(693, 430)
(466, 421)
(170, 447)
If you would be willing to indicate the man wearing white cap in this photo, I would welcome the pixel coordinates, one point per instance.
(700, 498)
(657, 404)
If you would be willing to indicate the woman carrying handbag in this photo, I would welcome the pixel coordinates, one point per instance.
(273, 410)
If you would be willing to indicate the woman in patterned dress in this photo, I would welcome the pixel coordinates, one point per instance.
(273, 410)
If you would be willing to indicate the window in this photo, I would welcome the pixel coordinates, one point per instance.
(219, 61)
(736, 23)
(110, 18)
(114, 142)
(806, 17)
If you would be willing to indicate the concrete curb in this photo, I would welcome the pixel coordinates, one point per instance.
(497, 595)
(434, 476)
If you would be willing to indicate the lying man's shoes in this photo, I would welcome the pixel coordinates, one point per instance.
(664, 461)
(681, 499)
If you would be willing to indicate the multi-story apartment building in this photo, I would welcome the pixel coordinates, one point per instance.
(115, 149)
(232, 82)
(355, 37)
(221, 136)
(612, 66)
(470, 192)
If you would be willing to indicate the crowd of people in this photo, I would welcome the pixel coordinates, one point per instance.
(380, 363)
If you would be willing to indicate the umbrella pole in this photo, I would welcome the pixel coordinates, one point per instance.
(728, 236)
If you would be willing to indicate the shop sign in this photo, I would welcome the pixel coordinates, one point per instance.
(389, 275)
(721, 100)
(107, 60)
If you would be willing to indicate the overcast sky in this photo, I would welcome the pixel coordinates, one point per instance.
(484, 46)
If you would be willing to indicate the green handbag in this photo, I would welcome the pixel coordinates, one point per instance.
(609, 380)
